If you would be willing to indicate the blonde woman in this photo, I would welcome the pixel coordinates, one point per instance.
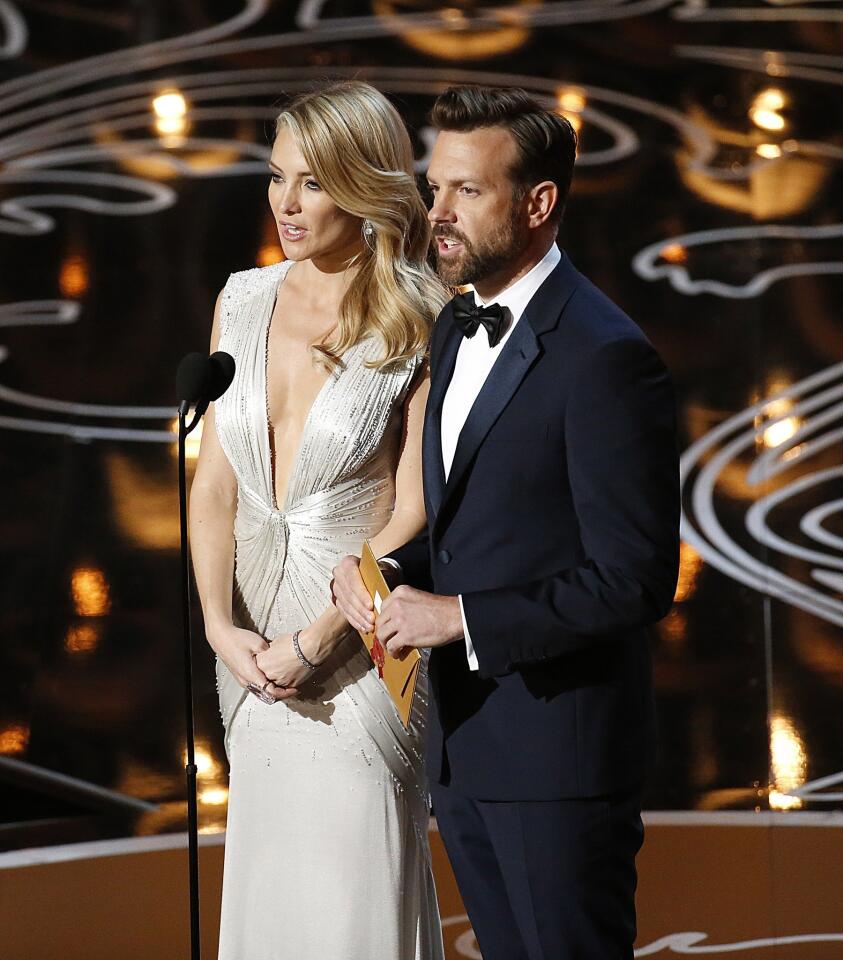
(315, 446)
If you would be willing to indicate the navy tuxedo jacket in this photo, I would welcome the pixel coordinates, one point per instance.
(559, 526)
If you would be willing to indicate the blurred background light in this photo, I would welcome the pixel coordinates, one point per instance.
(674, 253)
(90, 592)
(14, 738)
(170, 110)
(73, 277)
(192, 442)
(764, 110)
(82, 638)
(788, 763)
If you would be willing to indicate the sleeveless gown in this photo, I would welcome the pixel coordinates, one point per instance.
(326, 850)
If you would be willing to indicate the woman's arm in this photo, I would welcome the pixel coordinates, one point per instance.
(318, 640)
(213, 502)
(409, 516)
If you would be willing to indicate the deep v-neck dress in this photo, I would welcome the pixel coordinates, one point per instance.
(326, 848)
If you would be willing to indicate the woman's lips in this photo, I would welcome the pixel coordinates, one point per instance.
(291, 233)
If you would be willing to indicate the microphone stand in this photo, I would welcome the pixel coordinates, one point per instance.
(190, 765)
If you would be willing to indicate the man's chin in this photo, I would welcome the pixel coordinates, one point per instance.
(452, 272)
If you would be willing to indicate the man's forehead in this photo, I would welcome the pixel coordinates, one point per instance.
(471, 155)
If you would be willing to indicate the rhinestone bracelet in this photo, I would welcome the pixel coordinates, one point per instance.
(299, 654)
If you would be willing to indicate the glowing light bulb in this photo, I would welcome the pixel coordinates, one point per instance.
(169, 104)
(90, 593)
(788, 761)
(14, 738)
(571, 100)
(214, 796)
(206, 765)
(674, 253)
(73, 277)
(770, 99)
(780, 431)
(170, 109)
(764, 109)
(767, 119)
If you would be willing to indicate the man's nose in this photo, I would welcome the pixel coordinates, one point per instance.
(441, 211)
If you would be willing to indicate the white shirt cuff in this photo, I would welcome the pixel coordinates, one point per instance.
(393, 564)
(469, 646)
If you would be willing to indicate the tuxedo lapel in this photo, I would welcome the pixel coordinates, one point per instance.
(510, 368)
(517, 356)
(442, 368)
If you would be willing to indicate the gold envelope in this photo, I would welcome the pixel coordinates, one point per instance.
(398, 675)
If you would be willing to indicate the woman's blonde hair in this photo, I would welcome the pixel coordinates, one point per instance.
(359, 151)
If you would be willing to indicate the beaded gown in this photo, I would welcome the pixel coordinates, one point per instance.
(326, 848)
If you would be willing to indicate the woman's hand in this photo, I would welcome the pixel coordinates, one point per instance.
(350, 596)
(238, 649)
(281, 665)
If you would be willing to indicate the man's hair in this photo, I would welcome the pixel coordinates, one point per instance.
(546, 142)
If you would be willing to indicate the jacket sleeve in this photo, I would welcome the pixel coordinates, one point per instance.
(414, 560)
(620, 439)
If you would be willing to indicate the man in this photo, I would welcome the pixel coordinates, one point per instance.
(551, 487)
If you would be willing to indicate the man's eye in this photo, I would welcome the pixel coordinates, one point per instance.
(469, 190)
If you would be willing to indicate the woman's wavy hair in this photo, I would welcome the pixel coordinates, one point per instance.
(359, 151)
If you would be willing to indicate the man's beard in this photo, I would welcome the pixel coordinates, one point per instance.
(482, 260)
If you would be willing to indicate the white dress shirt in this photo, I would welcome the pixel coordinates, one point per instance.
(475, 359)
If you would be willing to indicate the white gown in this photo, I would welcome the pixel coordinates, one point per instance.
(326, 849)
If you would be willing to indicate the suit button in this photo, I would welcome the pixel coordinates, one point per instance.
(444, 556)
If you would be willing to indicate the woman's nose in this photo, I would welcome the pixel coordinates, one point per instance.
(287, 200)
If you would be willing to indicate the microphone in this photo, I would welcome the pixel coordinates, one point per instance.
(222, 367)
(201, 379)
(191, 380)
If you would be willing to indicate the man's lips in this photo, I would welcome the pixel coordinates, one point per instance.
(447, 245)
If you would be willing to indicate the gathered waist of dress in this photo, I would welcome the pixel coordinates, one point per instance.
(359, 502)
(300, 545)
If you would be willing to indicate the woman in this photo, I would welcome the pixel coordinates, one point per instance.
(315, 447)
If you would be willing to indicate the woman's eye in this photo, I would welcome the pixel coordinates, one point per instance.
(312, 185)
(276, 179)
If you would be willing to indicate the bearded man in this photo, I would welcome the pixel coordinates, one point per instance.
(551, 489)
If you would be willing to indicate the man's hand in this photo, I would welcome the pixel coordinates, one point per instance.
(412, 618)
(350, 596)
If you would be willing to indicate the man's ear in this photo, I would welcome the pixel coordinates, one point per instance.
(541, 202)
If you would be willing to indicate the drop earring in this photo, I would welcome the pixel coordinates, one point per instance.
(369, 233)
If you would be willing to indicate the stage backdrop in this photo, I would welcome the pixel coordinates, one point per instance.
(707, 202)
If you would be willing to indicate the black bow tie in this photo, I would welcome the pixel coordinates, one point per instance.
(468, 317)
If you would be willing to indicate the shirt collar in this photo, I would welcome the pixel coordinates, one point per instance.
(516, 296)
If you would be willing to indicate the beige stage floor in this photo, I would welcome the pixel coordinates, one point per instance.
(756, 886)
